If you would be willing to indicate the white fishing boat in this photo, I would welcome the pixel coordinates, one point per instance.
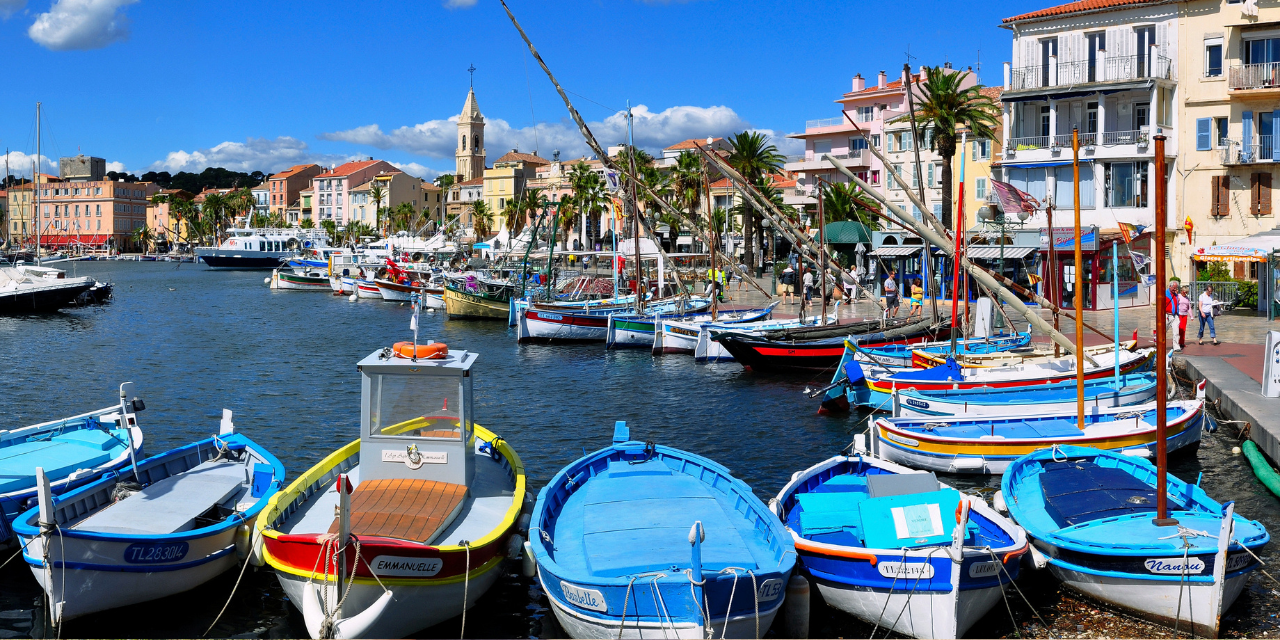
(261, 248)
(684, 336)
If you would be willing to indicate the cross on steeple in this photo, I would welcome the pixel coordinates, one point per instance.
(472, 71)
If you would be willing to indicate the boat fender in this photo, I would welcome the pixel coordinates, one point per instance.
(353, 627)
(860, 444)
(244, 540)
(796, 605)
(352, 298)
(515, 547)
(522, 525)
(529, 503)
(997, 501)
(1038, 559)
(255, 549)
(528, 565)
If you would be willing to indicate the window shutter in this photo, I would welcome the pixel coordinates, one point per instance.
(1264, 194)
(1275, 129)
(1204, 134)
(1246, 137)
(1253, 193)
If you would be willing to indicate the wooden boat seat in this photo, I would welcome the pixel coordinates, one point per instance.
(170, 505)
(405, 509)
(446, 433)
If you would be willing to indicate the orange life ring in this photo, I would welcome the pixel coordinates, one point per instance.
(433, 351)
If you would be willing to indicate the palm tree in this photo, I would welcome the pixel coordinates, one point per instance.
(213, 213)
(330, 229)
(533, 203)
(144, 237)
(377, 194)
(946, 107)
(587, 196)
(306, 223)
(754, 157)
(686, 181)
(480, 215)
(241, 201)
(567, 216)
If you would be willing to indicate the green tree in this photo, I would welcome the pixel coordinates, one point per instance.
(213, 213)
(589, 197)
(446, 181)
(377, 194)
(307, 223)
(144, 237)
(754, 157)
(481, 219)
(843, 201)
(686, 181)
(946, 107)
(330, 229)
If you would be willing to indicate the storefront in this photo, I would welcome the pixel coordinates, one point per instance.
(1251, 258)
(1058, 281)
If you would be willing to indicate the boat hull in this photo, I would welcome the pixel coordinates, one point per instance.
(367, 290)
(42, 299)
(459, 304)
(559, 326)
(917, 405)
(219, 259)
(923, 614)
(287, 281)
(764, 356)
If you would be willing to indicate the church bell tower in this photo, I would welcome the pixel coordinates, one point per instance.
(470, 153)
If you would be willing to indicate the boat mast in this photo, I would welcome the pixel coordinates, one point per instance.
(959, 233)
(1051, 275)
(35, 183)
(1162, 420)
(1115, 307)
(635, 210)
(715, 237)
(822, 259)
(916, 141)
(1079, 284)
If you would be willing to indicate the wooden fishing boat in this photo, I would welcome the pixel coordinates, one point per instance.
(804, 352)
(988, 444)
(535, 324)
(367, 289)
(923, 359)
(478, 303)
(632, 331)
(679, 336)
(857, 383)
(1099, 393)
(880, 542)
(72, 451)
(426, 506)
(901, 355)
(402, 292)
(1092, 516)
(641, 540)
(299, 280)
(184, 518)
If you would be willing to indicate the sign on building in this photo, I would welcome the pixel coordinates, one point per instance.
(1064, 239)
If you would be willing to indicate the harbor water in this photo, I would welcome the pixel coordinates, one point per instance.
(195, 341)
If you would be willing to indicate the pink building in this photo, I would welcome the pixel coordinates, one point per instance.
(332, 188)
(870, 106)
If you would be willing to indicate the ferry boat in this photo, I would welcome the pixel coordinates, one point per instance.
(261, 248)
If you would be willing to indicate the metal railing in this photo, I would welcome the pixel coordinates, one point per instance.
(1064, 140)
(1110, 138)
(856, 156)
(1028, 143)
(1228, 292)
(1236, 152)
(824, 122)
(1254, 76)
(1110, 69)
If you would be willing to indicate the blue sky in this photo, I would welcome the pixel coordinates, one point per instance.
(152, 85)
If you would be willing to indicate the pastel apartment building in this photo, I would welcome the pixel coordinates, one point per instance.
(333, 188)
(283, 190)
(1108, 69)
(81, 207)
(398, 188)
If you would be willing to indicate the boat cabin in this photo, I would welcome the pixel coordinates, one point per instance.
(415, 418)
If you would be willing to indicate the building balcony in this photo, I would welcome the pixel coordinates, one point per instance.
(1259, 151)
(1057, 147)
(823, 123)
(1106, 69)
(1243, 77)
(815, 162)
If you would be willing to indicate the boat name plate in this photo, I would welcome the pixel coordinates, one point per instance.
(912, 570)
(1238, 561)
(550, 316)
(155, 552)
(919, 404)
(584, 598)
(424, 457)
(770, 590)
(984, 569)
(901, 440)
(1174, 566)
(410, 567)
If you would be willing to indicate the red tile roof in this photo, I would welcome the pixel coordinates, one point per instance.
(1079, 7)
(691, 143)
(476, 182)
(871, 88)
(527, 158)
(293, 170)
(348, 169)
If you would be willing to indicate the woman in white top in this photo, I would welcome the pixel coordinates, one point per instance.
(1206, 314)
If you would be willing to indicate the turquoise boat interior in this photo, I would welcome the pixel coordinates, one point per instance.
(1056, 392)
(1036, 427)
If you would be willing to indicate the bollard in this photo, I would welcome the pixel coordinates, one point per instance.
(352, 298)
(797, 607)
(529, 566)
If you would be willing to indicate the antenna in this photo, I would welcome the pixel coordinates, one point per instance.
(472, 70)
(977, 68)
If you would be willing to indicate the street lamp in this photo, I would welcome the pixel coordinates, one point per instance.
(768, 226)
(992, 218)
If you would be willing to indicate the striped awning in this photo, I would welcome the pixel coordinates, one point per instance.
(896, 251)
(989, 253)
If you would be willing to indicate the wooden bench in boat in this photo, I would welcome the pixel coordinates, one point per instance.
(172, 504)
(405, 509)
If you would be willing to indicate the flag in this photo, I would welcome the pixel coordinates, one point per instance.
(1128, 231)
(1012, 199)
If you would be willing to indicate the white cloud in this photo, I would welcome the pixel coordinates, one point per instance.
(459, 4)
(254, 154)
(416, 170)
(80, 24)
(10, 7)
(786, 146)
(117, 167)
(653, 131)
(20, 164)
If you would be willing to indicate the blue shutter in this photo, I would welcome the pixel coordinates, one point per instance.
(1204, 134)
(1275, 134)
(1246, 137)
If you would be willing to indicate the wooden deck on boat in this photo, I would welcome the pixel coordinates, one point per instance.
(404, 509)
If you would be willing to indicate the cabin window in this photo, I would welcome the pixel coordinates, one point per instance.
(419, 406)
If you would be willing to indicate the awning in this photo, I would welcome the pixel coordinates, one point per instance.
(1255, 248)
(847, 232)
(896, 251)
(63, 240)
(1060, 92)
(1047, 163)
(990, 253)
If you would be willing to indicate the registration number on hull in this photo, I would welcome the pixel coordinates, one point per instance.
(155, 552)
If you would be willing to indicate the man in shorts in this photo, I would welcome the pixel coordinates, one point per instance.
(891, 298)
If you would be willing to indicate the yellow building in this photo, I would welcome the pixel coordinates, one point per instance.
(506, 180)
(979, 154)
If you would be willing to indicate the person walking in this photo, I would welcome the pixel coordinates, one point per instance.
(1184, 313)
(787, 285)
(890, 289)
(917, 299)
(807, 280)
(1206, 314)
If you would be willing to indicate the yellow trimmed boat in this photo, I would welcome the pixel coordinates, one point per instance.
(460, 304)
(1034, 355)
(422, 526)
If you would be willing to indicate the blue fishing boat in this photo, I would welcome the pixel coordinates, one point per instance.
(897, 548)
(72, 451)
(988, 444)
(1100, 393)
(900, 355)
(642, 540)
(630, 330)
(1090, 515)
(182, 519)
